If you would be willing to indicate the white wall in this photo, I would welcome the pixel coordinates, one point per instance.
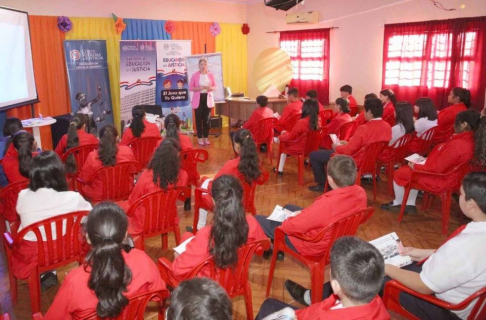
(357, 46)
(178, 10)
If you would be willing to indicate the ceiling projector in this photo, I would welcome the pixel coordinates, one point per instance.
(282, 4)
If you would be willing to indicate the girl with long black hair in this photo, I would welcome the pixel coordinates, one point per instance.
(460, 100)
(172, 125)
(18, 158)
(309, 121)
(109, 153)
(404, 121)
(139, 127)
(389, 100)
(76, 136)
(230, 229)
(111, 273)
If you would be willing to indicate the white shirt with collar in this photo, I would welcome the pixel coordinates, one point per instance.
(458, 268)
(424, 124)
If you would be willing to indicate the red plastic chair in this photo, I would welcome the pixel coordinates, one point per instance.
(117, 180)
(143, 149)
(392, 155)
(423, 145)
(312, 141)
(51, 254)
(346, 131)
(135, 309)
(262, 132)
(455, 175)
(391, 119)
(80, 155)
(325, 115)
(391, 299)
(316, 264)
(234, 281)
(189, 160)
(291, 121)
(8, 199)
(353, 111)
(160, 215)
(248, 197)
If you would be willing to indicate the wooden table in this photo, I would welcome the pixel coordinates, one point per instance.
(242, 108)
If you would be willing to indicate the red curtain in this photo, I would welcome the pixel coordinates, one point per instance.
(428, 59)
(309, 52)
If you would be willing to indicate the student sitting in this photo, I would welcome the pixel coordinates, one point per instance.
(357, 271)
(294, 107)
(108, 154)
(229, 219)
(375, 130)
(47, 196)
(345, 199)
(139, 127)
(10, 128)
(341, 107)
(111, 274)
(162, 172)
(247, 164)
(426, 119)
(312, 94)
(76, 136)
(460, 100)
(309, 121)
(346, 93)
(404, 121)
(261, 112)
(360, 119)
(16, 162)
(458, 268)
(444, 157)
(201, 299)
(387, 96)
(172, 125)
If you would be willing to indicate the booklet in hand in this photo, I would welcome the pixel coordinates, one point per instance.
(182, 247)
(280, 214)
(335, 139)
(390, 247)
(416, 159)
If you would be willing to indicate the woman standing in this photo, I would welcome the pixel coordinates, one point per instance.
(202, 84)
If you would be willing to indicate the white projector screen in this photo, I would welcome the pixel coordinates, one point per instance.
(17, 83)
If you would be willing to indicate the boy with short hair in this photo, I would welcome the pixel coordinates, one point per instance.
(294, 107)
(346, 93)
(357, 271)
(261, 112)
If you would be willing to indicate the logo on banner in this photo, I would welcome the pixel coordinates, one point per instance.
(75, 55)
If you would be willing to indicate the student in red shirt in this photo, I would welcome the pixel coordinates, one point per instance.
(459, 149)
(229, 219)
(387, 96)
(360, 119)
(346, 93)
(163, 172)
(111, 274)
(341, 107)
(460, 100)
(294, 107)
(312, 94)
(345, 199)
(172, 125)
(375, 130)
(357, 271)
(108, 154)
(139, 127)
(76, 136)
(309, 121)
(261, 112)
(247, 164)
(16, 162)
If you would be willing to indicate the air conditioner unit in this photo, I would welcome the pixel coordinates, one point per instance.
(302, 17)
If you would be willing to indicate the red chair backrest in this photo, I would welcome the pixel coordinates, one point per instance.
(189, 160)
(425, 141)
(160, 209)
(291, 121)
(347, 130)
(143, 149)
(353, 111)
(370, 155)
(117, 180)
(314, 139)
(234, 281)
(8, 200)
(399, 148)
(51, 252)
(262, 130)
(250, 190)
(80, 155)
(325, 115)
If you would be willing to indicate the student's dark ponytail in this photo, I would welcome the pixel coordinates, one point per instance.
(172, 123)
(11, 126)
(230, 228)
(77, 122)
(464, 95)
(249, 164)
(23, 142)
(108, 147)
(310, 109)
(480, 145)
(109, 276)
(137, 126)
(391, 95)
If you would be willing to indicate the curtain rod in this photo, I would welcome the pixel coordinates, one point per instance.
(332, 28)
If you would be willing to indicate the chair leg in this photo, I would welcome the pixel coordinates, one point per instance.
(34, 290)
(272, 270)
(177, 235)
(165, 241)
(269, 152)
(404, 203)
(139, 242)
(373, 176)
(248, 302)
(196, 217)
(300, 159)
(446, 210)
(389, 170)
(317, 279)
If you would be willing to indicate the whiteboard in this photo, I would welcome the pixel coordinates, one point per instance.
(215, 66)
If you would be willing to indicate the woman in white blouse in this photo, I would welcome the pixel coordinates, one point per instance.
(404, 121)
(427, 115)
(202, 84)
